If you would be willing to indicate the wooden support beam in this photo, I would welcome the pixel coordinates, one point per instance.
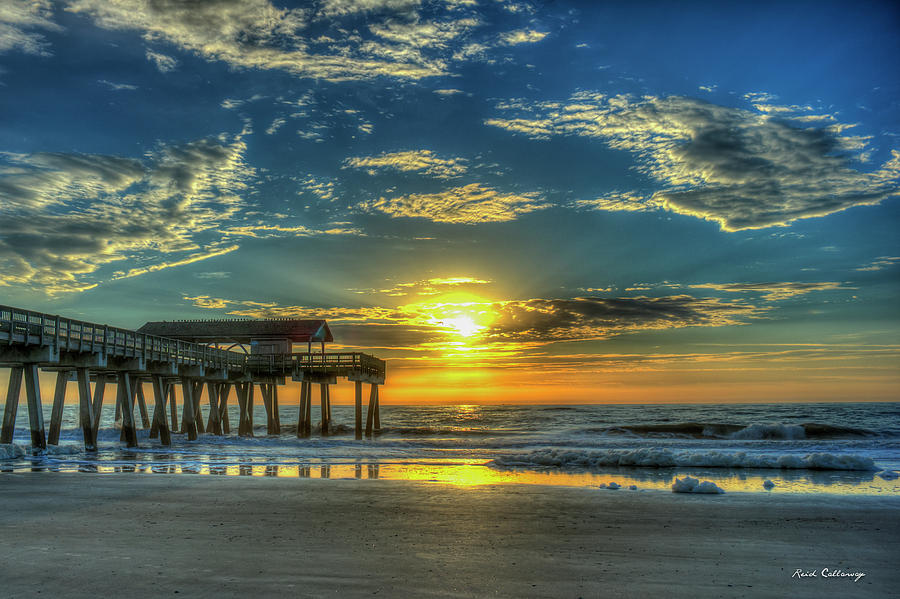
(308, 409)
(99, 390)
(12, 404)
(245, 422)
(213, 425)
(125, 399)
(377, 410)
(276, 416)
(224, 392)
(266, 390)
(173, 404)
(59, 402)
(250, 392)
(326, 424)
(142, 404)
(301, 416)
(188, 422)
(132, 388)
(198, 414)
(159, 409)
(358, 402)
(35, 409)
(86, 410)
(370, 413)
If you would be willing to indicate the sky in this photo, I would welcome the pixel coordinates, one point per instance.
(510, 201)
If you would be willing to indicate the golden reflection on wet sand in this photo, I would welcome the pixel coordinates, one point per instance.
(469, 474)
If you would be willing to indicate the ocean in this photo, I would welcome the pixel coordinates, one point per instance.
(846, 448)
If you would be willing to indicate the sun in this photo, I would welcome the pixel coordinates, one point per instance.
(464, 326)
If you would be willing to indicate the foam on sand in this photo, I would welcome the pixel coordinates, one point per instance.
(654, 457)
(689, 484)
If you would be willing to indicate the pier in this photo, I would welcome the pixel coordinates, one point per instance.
(189, 354)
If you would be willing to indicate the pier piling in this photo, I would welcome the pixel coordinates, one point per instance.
(56, 413)
(12, 404)
(35, 409)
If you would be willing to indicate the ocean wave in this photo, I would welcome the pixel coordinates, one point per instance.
(11, 451)
(717, 430)
(665, 458)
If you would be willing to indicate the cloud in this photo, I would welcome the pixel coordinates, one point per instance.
(422, 161)
(264, 231)
(117, 86)
(744, 169)
(331, 8)
(880, 263)
(275, 126)
(774, 291)
(469, 205)
(619, 201)
(18, 18)
(599, 318)
(197, 257)
(501, 329)
(65, 216)
(164, 63)
(334, 40)
(448, 92)
(522, 36)
(425, 287)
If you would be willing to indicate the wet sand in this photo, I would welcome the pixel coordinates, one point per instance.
(83, 535)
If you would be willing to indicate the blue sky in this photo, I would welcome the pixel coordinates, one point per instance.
(649, 199)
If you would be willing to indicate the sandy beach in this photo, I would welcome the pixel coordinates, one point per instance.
(82, 535)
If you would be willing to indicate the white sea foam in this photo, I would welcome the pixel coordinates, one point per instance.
(770, 431)
(11, 451)
(654, 457)
(689, 484)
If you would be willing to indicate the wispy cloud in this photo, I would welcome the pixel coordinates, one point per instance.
(19, 19)
(522, 36)
(163, 62)
(619, 201)
(880, 263)
(196, 257)
(67, 215)
(425, 287)
(470, 204)
(327, 40)
(744, 169)
(422, 161)
(117, 86)
(775, 291)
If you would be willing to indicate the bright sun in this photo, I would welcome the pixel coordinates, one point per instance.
(463, 325)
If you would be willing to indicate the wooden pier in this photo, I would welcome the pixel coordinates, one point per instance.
(85, 353)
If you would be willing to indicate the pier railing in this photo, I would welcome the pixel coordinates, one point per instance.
(28, 328)
(338, 361)
(24, 327)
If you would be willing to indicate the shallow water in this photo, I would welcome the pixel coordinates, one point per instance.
(801, 448)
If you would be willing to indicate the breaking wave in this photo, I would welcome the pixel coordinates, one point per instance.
(713, 430)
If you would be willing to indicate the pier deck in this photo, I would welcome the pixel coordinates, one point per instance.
(86, 352)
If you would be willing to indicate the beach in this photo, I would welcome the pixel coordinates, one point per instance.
(88, 535)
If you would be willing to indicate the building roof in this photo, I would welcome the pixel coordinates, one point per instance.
(240, 331)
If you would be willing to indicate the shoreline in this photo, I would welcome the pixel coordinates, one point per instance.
(91, 535)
